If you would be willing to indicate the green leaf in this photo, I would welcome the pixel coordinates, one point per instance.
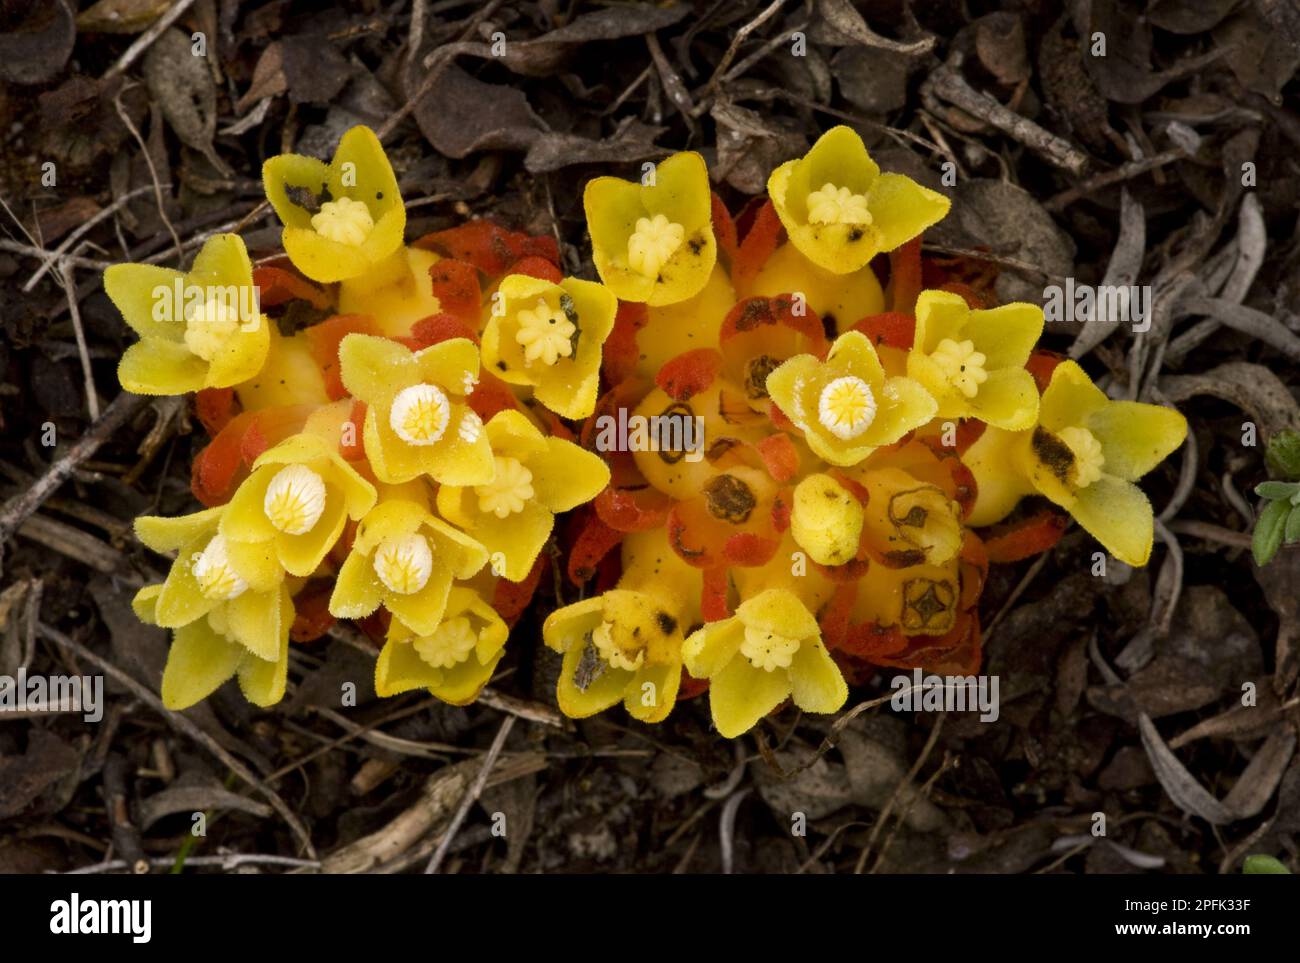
(1291, 530)
(1269, 529)
(1283, 454)
(1264, 865)
(1277, 491)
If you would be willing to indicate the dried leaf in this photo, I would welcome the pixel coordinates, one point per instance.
(36, 49)
(182, 86)
(462, 114)
(121, 16)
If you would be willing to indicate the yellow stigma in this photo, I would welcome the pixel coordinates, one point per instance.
(450, 644)
(837, 205)
(653, 242)
(404, 563)
(1088, 458)
(345, 221)
(210, 327)
(295, 499)
(603, 638)
(766, 650)
(846, 407)
(509, 491)
(961, 364)
(545, 332)
(420, 414)
(214, 573)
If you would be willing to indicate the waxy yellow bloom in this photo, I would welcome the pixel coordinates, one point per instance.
(201, 329)
(1085, 454)
(404, 559)
(225, 624)
(841, 211)
(653, 241)
(549, 336)
(340, 219)
(454, 661)
(536, 477)
(769, 651)
(973, 362)
(846, 406)
(826, 520)
(417, 421)
(298, 498)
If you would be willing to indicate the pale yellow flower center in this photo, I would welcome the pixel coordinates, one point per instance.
(420, 414)
(1088, 457)
(509, 491)
(846, 407)
(653, 242)
(214, 573)
(603, 638)
(345, 221)
(295, 499)
(404, 563)
(210, 327)
(837, 205)
(545, 333)
(961, 364)
(767, 650)
(450, 644)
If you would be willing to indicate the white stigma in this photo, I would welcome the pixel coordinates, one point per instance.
(961, 364)
(420, 414)
(295, 499)
(214, 573)
(211, 327)
(345, 221)
(846, 407)
(509, 491)
(767, 650)
(449, 645)
(545, 332)
(603, 638)
(404, 563)
(654, 241)
(837, 205)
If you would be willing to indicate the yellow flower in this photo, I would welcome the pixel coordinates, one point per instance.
(973, 362)
(342, 218)
(846, 406)
(404, 559)
(1085, 454)
(653, 241)
(417, 421)
(201, 329)
(297, 499)
(622, 645)
(206, 652)
(454, 661)
(536, 477)
(225, 601)
(841, 211)
(550, 336)
(770, 650)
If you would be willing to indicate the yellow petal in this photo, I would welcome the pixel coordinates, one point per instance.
(423, 610)
(253, 620)
(513, 543)
(165, 535)
(450, 364)
(1116, 513)
(603, 691)
(463, 456)
(1070, 399)
(569, 625)
(1008, 400)
(198, 662)
(400, 669)
(256, 563)
(302, 554)
(652, 693)
(1136, 437)
(240, 358)
(181, 601)
(1005, 335)
(709, 648)
(360, 170)
(157, 367)
(939, 315)
(284, 171)
(223, 260)
(902, 209)
(357, 590)
(817, 684)
(740, 695)
(461, 684)
(779, 612)
(263, 682)
(145, 604)
(375, 369)
(993, 460)
(134, 290)
(566, 476)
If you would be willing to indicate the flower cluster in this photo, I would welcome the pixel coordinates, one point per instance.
(831, 419)
(386, 435)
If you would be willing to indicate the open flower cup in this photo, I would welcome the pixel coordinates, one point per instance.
(785, 462)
